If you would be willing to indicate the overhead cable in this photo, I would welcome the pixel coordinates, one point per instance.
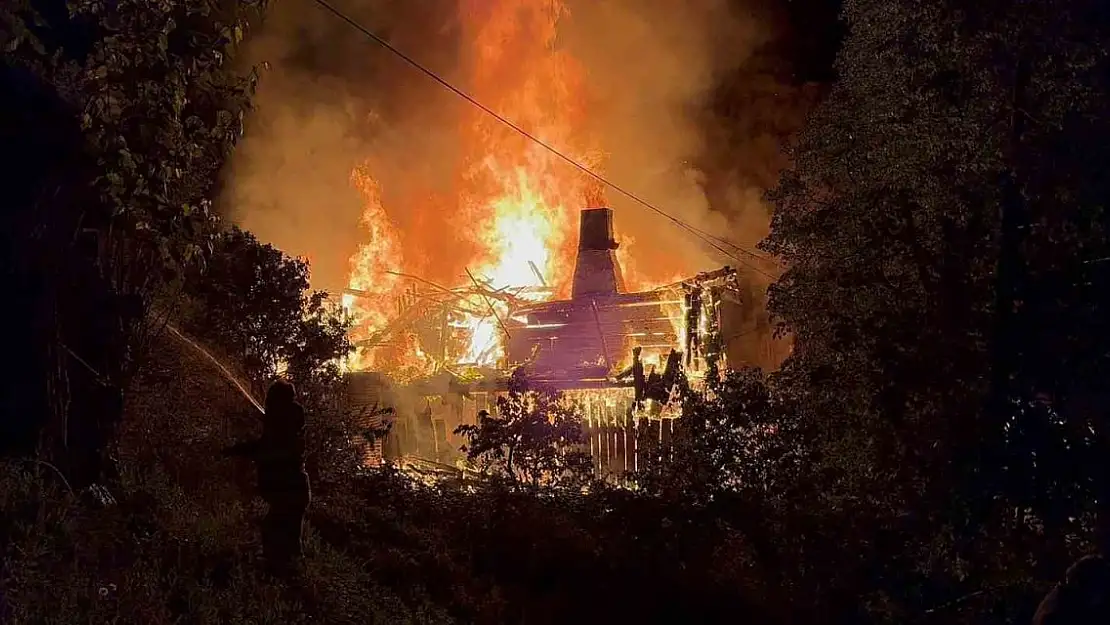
(709, 239)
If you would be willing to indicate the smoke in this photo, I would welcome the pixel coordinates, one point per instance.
(652, 66)
(333, 100)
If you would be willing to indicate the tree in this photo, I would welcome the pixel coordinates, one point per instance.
(1062, 307)
(534, 439)
(40, 140)
(254, 302)
(940, 224)
(158, 111)
(735, 438)
(888, 250)
(892, 216)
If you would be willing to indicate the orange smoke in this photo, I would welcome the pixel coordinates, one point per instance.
(513, 220)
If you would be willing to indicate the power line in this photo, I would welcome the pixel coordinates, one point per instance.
(709, 239)
(704, 236)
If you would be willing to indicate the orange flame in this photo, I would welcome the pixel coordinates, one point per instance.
(517, 204)
(370, 267)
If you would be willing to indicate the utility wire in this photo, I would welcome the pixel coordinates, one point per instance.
(704, 236)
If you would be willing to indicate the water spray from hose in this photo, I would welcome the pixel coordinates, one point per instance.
(223, 369)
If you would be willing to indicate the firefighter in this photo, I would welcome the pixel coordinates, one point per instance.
(282, 480)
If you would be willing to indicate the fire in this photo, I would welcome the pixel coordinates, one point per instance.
(370, 270)
(522, 235)
(523, 198)
(516, 204)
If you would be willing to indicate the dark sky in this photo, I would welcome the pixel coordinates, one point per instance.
(812, 35)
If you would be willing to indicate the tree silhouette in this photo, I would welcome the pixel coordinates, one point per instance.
(255, 303)
(937, 221)
(534, 439)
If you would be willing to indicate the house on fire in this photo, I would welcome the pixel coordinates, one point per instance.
(579, 346)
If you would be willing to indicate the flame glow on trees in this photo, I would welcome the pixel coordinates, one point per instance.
(515, 203)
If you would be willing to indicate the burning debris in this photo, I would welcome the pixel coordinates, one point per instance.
(503, 285)
(474, 330)
(619, 356)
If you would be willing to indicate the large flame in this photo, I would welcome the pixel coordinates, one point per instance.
(516, 203)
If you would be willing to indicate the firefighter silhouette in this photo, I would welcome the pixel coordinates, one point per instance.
(282, 481)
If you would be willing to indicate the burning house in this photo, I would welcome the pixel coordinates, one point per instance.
(473, 261)
(582, 346)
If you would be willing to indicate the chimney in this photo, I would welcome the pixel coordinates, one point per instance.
(596, 271)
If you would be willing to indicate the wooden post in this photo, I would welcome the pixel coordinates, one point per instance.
(618, 444)
(599, 458)
(607, 434)
(627, 443)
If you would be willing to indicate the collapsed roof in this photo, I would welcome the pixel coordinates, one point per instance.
(576, 343)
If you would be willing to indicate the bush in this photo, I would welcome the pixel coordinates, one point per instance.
(253, 303)
(159, 557)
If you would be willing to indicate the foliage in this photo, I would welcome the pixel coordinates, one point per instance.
(867, 220)
(738, 437)
(40, 142)
(159, 557)
(252, 305)
(105, 239)
(385, 545)
(897, 224)
(254, 302)
(506, 555)
(930, 245)
(534, 439)
(159, 112)
(933, 451)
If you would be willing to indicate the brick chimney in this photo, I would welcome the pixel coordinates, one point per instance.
(596, 271)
